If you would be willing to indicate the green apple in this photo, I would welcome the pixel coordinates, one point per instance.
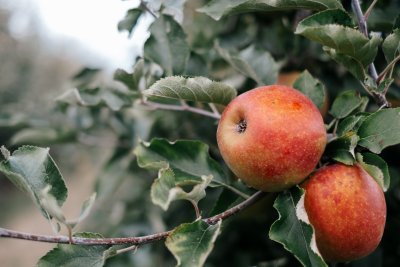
(347, 209)
(271, 137)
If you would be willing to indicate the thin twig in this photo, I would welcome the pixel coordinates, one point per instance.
(387, 69)
(126, 240)
(127, 249)
(196, 208)
(368, 12)
(379, 98)
(362, 23)
(183, 107)
(143, 4)
(214, 109)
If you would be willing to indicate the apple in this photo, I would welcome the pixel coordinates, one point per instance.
(271, 137)
(288, 79)
(347, 209)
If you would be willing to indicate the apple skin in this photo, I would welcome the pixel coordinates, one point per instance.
(271, 137)
(347, 209)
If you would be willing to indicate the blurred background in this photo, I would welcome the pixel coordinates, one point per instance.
(43, 44)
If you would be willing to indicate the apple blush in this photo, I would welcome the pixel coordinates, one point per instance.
(271, 137)
(347, 210)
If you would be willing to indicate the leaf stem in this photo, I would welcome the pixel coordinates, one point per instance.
(126, 240)
(183, 107)
(234, 190)
(127, 249)
(387, 69)
(143, 4)
(196, 208)
(368, 12)
(379, 98)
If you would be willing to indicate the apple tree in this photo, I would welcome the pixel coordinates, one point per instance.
(165, 196)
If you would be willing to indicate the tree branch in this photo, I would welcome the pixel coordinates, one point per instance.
(183, 107)
(6, 233)
(379, 98)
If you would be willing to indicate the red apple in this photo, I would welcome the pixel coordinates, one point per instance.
(271, 137)
(347, 209)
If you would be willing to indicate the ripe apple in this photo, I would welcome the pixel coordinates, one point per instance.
(288, 79)
(347, 209)
(271, 137)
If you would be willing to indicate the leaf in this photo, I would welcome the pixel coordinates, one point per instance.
(191, 243)
(77, 256)
(41, 136)
(179, 164)
(167, 188)
(324, 28)
(197, 89)
(342, 148)
(32, 170)
(220, 8)
(345, 103)
(167, 45)
(85, 76)
(380, 130)
(311, 87)
(254, 63)
(376, 167)
(187, 158)
(112, 98)
(85, 210)
(293, 230)
(352, 65)
(391, 46)
(131, 80)
(350, 124)
(128, 23)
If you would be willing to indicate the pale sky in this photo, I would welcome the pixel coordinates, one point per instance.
(90, 23)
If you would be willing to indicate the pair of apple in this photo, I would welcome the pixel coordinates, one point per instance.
(272, 138)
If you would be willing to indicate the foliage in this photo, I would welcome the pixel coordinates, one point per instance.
(162, 115)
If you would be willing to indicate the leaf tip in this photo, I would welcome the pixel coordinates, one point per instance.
(5, 152)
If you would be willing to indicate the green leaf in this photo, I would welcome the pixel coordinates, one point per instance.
(352, 65)
(293, 229)
(167, 46)
(131, 80)
(42, 136)
(187, 158)
(345, 103)
(112, 98)
(391, 45)
(350, 124)
(342, 148)
(77, 256)
(376, 167)
(85, 76)
(197, 89)
(220, 8)
(254, 63)
(380, 130)
(32, 170)
(191, 243)
(128, 23)
(85, 210)
(323, 28)
(168, 187)
(311, 87)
